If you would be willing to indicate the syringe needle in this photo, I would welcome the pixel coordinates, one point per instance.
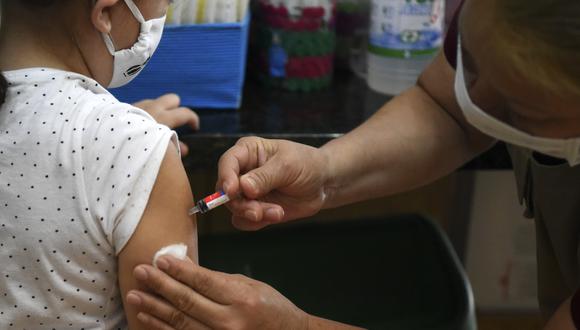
(194, 210)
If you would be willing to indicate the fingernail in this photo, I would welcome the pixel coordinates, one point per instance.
(133, 299)
(252, 183)
(274, 214)
(251, 215)
(141, 273)
(163, 264)
(226, 187)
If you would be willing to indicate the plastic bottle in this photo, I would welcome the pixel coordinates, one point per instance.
(405, 35)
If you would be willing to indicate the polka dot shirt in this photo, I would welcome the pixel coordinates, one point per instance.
(76, 170)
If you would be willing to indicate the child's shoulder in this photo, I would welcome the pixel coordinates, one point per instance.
(114, 128)
(100, 116)
(75, 109)
(52, 92)
(93, 102)
(55, 96)
(105, 114)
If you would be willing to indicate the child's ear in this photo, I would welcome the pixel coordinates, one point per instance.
(101, 14)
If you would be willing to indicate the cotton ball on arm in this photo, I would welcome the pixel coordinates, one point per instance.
(178, 251)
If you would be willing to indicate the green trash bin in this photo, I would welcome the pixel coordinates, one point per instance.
(394, 273)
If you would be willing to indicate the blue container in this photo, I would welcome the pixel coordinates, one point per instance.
(204, 64)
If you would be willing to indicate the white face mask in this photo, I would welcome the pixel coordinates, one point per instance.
(568, 149)
(129, 62)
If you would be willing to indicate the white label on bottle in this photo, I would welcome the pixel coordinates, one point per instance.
(402, 28)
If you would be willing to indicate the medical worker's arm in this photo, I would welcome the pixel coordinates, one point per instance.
(562, 319)
(416, 138)
(164, 222)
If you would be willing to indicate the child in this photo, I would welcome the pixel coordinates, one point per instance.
(89, 187)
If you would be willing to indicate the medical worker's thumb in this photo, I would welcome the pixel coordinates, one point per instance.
(262, 180)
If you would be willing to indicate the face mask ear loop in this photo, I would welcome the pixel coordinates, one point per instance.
(109, 43)
(138, 16)
(460, 86)
(108, 39)
(135, 10)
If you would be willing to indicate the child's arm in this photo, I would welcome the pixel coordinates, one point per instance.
(164, 222)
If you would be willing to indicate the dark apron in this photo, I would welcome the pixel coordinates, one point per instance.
(550, 191)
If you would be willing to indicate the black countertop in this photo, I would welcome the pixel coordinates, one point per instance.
(310, 118)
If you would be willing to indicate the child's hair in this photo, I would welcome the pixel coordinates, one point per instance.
(541, 41)
(31, 4)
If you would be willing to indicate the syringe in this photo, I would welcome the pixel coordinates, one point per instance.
(209, 203)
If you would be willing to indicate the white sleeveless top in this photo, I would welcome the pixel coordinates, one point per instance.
(76, 170)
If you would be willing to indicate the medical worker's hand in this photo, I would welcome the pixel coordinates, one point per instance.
(279, 181)
(192, 297)
(167, 111)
